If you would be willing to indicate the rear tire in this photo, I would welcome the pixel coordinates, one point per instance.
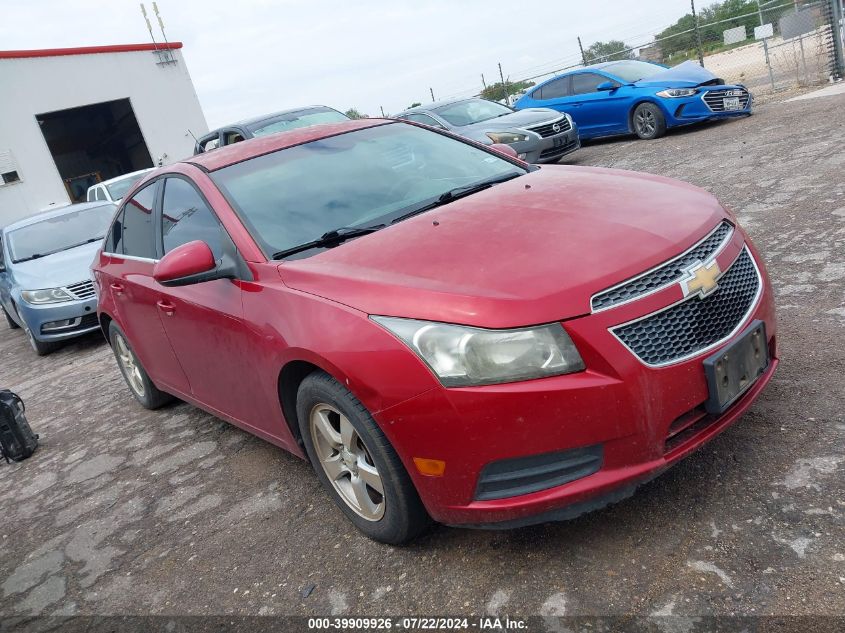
(136, 377)
(368, 481)
(12, 324)
(648, 121)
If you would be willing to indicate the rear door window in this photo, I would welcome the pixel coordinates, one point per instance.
(137, 225)
(554, 89)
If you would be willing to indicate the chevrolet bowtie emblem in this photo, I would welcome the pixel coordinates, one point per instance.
(700, 279)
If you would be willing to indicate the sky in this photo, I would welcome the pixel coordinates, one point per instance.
(253, 57)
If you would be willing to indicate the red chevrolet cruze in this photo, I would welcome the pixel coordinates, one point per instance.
(444, 331)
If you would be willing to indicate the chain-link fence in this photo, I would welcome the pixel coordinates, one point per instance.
(773, 47)
(780, 46)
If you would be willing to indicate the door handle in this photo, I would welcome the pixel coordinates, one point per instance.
(166, 307)
(118, 288)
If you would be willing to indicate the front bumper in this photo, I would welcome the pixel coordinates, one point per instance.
(619, 403)
(706, 105)
(38, 317)
(552, 148)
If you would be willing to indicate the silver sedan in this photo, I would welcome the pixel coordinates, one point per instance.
(539, 135)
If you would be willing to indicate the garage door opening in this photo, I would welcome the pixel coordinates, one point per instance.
(93, 143)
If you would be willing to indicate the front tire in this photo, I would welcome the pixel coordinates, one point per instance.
(649, 122)
(356, 463)
(134, 374)
(40, 347)
(12, 324)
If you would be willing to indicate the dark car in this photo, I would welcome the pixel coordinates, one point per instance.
(629, 96)
(538, 135)
(267, 124)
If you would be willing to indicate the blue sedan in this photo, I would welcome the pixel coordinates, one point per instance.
(628, 96)
(45, 273)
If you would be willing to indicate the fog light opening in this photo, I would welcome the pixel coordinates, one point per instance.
(64, 324)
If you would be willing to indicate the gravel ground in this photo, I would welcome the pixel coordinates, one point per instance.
(127, 511)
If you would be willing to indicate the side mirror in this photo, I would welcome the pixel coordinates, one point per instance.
(187, 264)
(607, 86)
(504, 149)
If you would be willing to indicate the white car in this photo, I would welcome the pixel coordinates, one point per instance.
(114, 189)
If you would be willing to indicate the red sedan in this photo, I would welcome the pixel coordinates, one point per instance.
(444, 331)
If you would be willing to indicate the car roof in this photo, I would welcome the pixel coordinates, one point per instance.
(55, 213)
(250, 148)
(428, 107)
(122, 176)
(264, 117)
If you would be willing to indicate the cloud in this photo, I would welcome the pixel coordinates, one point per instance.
(258, 56)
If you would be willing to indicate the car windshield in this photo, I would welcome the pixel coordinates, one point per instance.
(631, 71)
(370, 176)
(472, 111)
(118, 188)
(59, 233)
(293, 120)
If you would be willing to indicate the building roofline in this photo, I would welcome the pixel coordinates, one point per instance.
(88, 50)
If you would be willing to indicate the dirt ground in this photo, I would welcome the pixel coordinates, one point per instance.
(125, 511)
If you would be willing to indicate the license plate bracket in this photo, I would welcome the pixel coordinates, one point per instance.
(734, 369)
(731, 103)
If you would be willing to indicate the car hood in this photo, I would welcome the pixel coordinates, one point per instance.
(531, 250)
(519, 119)
(56, 270)
(685, 75)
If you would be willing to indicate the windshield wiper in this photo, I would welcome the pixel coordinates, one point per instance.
(330, 238)
(457, 193)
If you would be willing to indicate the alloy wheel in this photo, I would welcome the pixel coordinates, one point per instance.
(646, 123)
(129, 365)
(347, 462)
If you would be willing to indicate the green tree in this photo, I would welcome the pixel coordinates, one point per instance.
(353, 113)
(494, 92)
(607, 51)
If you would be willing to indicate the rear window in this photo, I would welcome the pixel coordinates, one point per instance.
(293, 120)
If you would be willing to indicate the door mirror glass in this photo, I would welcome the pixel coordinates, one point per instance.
(607, 86)
(187, 264)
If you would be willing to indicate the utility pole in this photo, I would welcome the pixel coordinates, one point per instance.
(483, 83)
(698, 32)
(504, 85)
(382, 112)
(432, 94)
(583, 57)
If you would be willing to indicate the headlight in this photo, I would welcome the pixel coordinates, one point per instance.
(463, 356)
(676, 93)
(48, 295)
(508, 138)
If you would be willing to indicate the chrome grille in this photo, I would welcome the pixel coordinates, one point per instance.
(547, 129)
(715, 98)
(694, 325)
(664, 274)
(82, 290)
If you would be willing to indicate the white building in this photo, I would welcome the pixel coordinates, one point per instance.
(72, 117)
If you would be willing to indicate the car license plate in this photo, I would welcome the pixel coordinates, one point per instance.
(733, 371)
(731, 103)
(559, 141)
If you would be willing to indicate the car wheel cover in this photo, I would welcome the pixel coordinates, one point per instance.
(129, 365)
(347, 462)
(646, 122)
